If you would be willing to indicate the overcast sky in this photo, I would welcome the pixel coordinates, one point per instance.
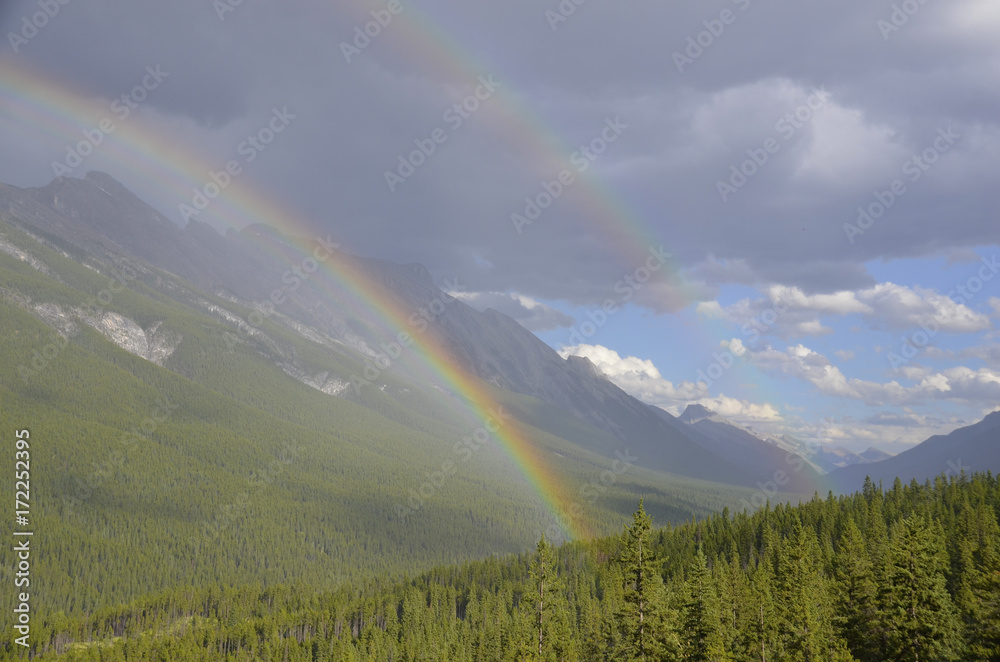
(739, 137)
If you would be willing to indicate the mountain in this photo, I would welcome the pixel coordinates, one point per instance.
(830, 458)
(203, 431)
(821, 457)
(718, 435)
(194, 429)
(99, 216)
(974, 448)
(873, 455)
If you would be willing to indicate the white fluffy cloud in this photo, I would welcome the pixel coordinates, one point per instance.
(788, 312)
(642, 379)
(959, 383)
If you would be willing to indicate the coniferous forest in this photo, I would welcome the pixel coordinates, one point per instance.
(909, 573)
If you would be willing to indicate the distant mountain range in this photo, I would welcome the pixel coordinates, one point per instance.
(97, 216)
(975, 448)
(320, 337)
(766, 450)
(832, 458)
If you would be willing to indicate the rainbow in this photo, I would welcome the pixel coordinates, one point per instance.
(614, 224)
(31, 100)
(58, 113)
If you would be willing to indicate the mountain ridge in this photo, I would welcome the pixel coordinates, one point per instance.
(99, 216)
(975, 447)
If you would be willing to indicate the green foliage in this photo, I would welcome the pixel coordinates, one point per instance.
(857, 605)
(216, 508)
(771, 587)
(219, 468)
(702, 631)
(915, 609)
(646, 622)
(551, 615)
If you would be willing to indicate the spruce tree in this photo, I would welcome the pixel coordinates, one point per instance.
(736, 609)
(978, 593)
(806, 619)
(646, 624)
(917, 613)
(700, 634)
(763, 636)
(551, 628)
(856, 591)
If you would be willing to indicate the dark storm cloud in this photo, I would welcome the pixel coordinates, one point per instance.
(532, 315)
(889, 95)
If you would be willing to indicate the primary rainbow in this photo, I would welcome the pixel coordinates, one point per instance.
(33, 101)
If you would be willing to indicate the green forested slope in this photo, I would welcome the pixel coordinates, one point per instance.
(220, 469)
(912, 573)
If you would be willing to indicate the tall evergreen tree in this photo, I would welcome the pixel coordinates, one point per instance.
(805, 623)
(736, 609)
(550, 618)
(701, 632)
(856, 603)
(978, 591)
(917, 614)
(647, 627)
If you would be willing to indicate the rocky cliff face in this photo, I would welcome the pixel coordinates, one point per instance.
(151, 344)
